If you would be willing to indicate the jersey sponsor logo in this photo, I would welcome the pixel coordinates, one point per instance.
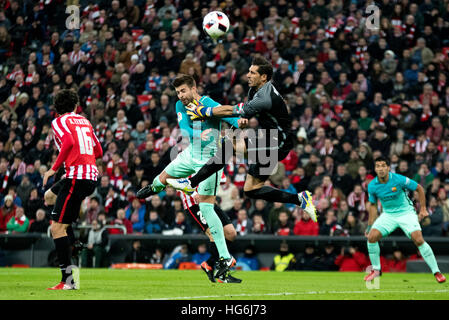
(179, 116)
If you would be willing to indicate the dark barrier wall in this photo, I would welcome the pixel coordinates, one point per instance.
(33, 249)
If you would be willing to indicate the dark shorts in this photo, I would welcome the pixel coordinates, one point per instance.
(70, 193)
(195, 214)
(259, 168)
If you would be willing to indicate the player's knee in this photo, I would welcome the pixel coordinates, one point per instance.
(49, 197)
(374, 236)
(230, 233)
(163, 177)
(418, 240)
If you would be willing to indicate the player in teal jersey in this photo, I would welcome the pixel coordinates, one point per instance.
(398, 211)
(204, 138)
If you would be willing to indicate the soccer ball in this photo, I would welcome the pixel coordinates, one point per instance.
(215, 24)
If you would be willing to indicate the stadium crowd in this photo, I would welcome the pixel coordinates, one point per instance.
(354, 93)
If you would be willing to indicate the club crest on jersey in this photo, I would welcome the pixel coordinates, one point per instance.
(394, 189)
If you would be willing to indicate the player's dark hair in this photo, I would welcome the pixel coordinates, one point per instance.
(65, 101)
(184, 79)
(382, 159)
(264, 65)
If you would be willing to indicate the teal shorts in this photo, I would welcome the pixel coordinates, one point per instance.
(185, 165)
(386, 223)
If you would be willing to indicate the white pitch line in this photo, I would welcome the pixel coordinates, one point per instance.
(302, 293)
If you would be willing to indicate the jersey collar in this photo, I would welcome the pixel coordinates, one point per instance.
(389, 177)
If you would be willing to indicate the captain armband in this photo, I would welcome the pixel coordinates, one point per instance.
(237, 109)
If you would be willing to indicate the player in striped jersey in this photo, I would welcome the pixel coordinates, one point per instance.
(190, 204)
(78, 150)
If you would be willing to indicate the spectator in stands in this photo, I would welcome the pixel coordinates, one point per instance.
(248, 261)
(273, 214)
(121, 220)
(19, 223)
(7, 211)
(260, 207)
(158, 256)
(232, 213)
(259, 226)
(424, 176)
(326, 261)
(284, 226)
(227, 192)
(432, 225)
(353, 226)
(41, 223)
(24, 189)
(342, 180)
(34, 203)
(96, 244)
(305, 226)
(398, 263)
(137, 254)
(288, 187)
(329, 223)
(136, 214)
(284, 260)
(435, 131)
(178, 255)
(201, 254)
(181, 225)
(350, 259)
(307, 260)
(243, 224)
(154, 223)
(357, 202)
(93, 210)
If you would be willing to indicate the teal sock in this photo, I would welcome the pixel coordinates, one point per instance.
(216, 229)
(157, 185)
(374, 255)
(429, 257)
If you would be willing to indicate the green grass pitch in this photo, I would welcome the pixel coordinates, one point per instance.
(99, 284)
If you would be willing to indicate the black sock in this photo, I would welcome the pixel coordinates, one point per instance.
(213, 254)
(229, 244)
(63, 252)
(215, 164)
(71, 235)
(273, 195)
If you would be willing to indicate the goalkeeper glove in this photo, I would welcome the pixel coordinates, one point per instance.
(197, 111)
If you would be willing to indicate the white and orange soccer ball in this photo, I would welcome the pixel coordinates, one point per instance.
(216, 24)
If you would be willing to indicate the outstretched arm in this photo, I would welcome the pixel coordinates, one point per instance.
(196, 111)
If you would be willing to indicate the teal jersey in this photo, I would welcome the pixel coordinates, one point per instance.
(192, 130)
(393, 195)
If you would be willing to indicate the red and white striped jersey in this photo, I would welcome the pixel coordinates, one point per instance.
(187, 201)
(79, 160)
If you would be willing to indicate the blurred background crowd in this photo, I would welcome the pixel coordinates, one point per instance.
(353, 93)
